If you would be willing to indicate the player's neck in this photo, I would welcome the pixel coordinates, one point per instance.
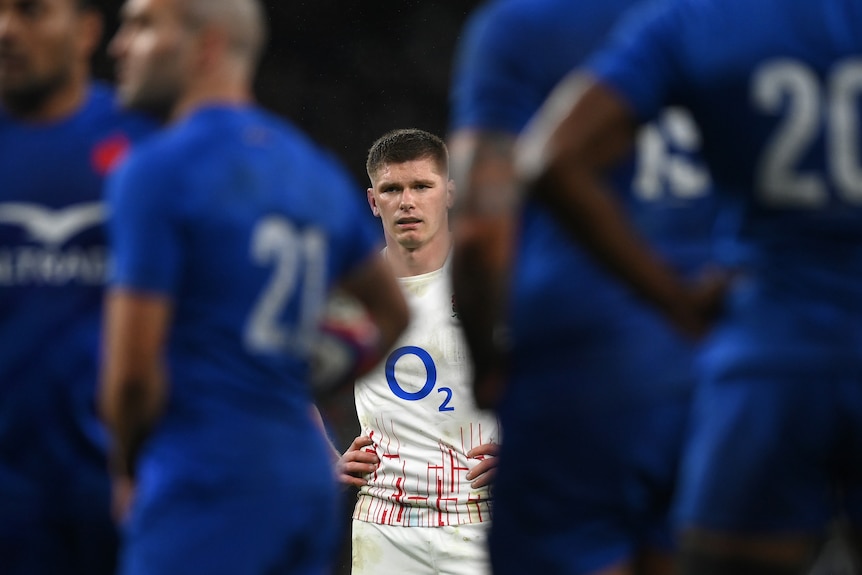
(56, 106)
(409, 262)
(212, 90)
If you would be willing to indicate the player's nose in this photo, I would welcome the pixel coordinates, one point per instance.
(407, 199)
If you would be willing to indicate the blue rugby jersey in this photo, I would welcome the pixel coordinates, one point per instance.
(53, 266)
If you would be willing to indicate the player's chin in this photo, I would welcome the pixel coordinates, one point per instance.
(409, 239)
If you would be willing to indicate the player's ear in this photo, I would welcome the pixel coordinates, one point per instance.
(372, 202)
(90, 28)
(211, 43)
(450, 193)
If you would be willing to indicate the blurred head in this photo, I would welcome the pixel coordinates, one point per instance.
(45, 50)
(410, 188)
(165, 49)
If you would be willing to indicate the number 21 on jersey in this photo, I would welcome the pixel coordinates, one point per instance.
(298, 261)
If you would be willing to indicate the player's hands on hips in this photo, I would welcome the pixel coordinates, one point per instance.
(357, 462)
(122, 495)
(483, 473)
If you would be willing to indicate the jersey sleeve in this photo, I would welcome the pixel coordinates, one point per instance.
(641, 60)
(491, 85)
(354, 234)
(144, 226)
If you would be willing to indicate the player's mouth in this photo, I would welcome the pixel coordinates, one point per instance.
(408, 223)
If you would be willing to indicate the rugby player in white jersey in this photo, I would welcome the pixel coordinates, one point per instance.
(424, 459)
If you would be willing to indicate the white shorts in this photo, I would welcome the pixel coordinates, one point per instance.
(398, 550)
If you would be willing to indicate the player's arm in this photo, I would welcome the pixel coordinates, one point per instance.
(375, 287)
(583, 129)
(353, 465)
(484, 225)
(133, 386)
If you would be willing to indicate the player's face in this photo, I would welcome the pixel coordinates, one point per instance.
(152, 49)
(412, 199)
(41, 45)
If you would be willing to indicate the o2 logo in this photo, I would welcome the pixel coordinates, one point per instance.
(430, 377)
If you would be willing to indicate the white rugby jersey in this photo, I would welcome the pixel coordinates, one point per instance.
(418, 409)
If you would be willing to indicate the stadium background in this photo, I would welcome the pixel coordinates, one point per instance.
(346, 71)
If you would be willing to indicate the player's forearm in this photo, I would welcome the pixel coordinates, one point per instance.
(376, 288)
(317, 417)
(131, 407)
(597, 220)
(133, 382)
(582, 132)
(480, 277)
(485, 221)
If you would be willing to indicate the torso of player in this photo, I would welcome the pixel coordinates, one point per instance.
(53, 254)
(51, 220)
(418, 409)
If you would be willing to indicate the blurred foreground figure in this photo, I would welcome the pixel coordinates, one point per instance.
(598, 386)
(229, 228)
(60, 134)
(775, 87)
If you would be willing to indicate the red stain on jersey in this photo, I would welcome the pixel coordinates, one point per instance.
(108, 153)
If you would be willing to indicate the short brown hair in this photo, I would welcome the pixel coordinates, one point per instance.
(406, 145)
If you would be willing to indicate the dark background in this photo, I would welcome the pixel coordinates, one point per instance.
(347, 71)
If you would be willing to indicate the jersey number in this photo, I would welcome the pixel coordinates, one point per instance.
(786, 83)
(298, 261)
(659, 169)
(430, 377)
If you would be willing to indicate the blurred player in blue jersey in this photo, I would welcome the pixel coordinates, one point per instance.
(600, 385)
(60, 134)
(228, 229)
(775, 87)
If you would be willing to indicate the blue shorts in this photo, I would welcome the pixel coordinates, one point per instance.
(241, 508)
(770, 452)
(776, 437)
(585, 487)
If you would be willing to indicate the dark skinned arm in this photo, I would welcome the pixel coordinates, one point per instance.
(133, 386)
(582, 130)
(484, 237)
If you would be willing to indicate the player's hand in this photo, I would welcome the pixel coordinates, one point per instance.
(357, 462)
(122, 496)
(483, 473)
(703, 303)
